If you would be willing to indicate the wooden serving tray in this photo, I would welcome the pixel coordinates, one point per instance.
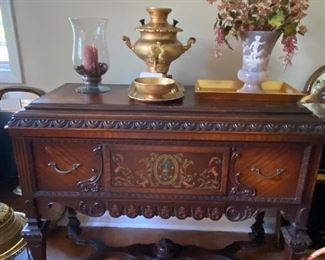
(274, 91)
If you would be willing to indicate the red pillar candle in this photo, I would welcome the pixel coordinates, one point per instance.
(90, 58)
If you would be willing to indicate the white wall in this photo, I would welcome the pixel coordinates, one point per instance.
(45, 41)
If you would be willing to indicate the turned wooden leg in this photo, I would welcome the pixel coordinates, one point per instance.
(34, 232)
(296, 241)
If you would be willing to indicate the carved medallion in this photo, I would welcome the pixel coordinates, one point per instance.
(93, 209)
(165, 169)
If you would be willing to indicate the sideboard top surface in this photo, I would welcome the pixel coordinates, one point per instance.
(65, 109)
(66, 98)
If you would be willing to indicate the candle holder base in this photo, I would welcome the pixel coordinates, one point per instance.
(93, 89)
(92, 79)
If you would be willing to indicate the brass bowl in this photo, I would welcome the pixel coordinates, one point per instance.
(154, 88)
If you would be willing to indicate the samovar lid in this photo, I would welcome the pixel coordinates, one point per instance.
(158, 21)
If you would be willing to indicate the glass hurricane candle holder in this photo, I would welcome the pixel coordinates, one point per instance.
(90, 53)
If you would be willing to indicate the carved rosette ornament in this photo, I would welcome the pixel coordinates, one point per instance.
(92, 209)
(115, 211)
(198, 213)
(215, 214)
(181, 213)
(166, 211)
(148, 211)
(236, 214)
(131, 211)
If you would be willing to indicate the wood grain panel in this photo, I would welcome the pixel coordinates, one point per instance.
(64, 154)
(273, 170)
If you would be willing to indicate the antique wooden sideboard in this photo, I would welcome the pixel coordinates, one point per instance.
(196, 157)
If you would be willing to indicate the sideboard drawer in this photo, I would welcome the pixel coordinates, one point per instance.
(167, 168)
(270, 170)
(67, 165)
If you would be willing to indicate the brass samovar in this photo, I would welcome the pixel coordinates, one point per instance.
(158, 45)
(11, 225)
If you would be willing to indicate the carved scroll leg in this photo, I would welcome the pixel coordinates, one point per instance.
(74, 233)
(258, 233)
(34, 232)
(296, 241)
(73, 227)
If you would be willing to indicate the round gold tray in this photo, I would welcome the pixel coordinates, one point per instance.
(174, 94)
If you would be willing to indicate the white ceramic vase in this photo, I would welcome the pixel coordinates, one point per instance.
(257, 49)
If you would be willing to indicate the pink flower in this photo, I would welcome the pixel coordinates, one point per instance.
(289, 49)
(302, 29)
(219, 40)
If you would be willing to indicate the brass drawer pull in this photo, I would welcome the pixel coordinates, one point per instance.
(275, 173)
(53, 166)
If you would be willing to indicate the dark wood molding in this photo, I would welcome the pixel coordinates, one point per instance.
(202, 126)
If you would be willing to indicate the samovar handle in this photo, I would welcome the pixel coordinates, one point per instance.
(175, 22)
(190, 41)
(128, 43)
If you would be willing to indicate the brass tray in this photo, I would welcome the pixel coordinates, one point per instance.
(173, 95)
(274, 91)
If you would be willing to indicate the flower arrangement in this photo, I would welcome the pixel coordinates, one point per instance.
(238, 16)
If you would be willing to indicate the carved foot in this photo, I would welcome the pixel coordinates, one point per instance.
(164, 249)
(296, 241)
(34, 232)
